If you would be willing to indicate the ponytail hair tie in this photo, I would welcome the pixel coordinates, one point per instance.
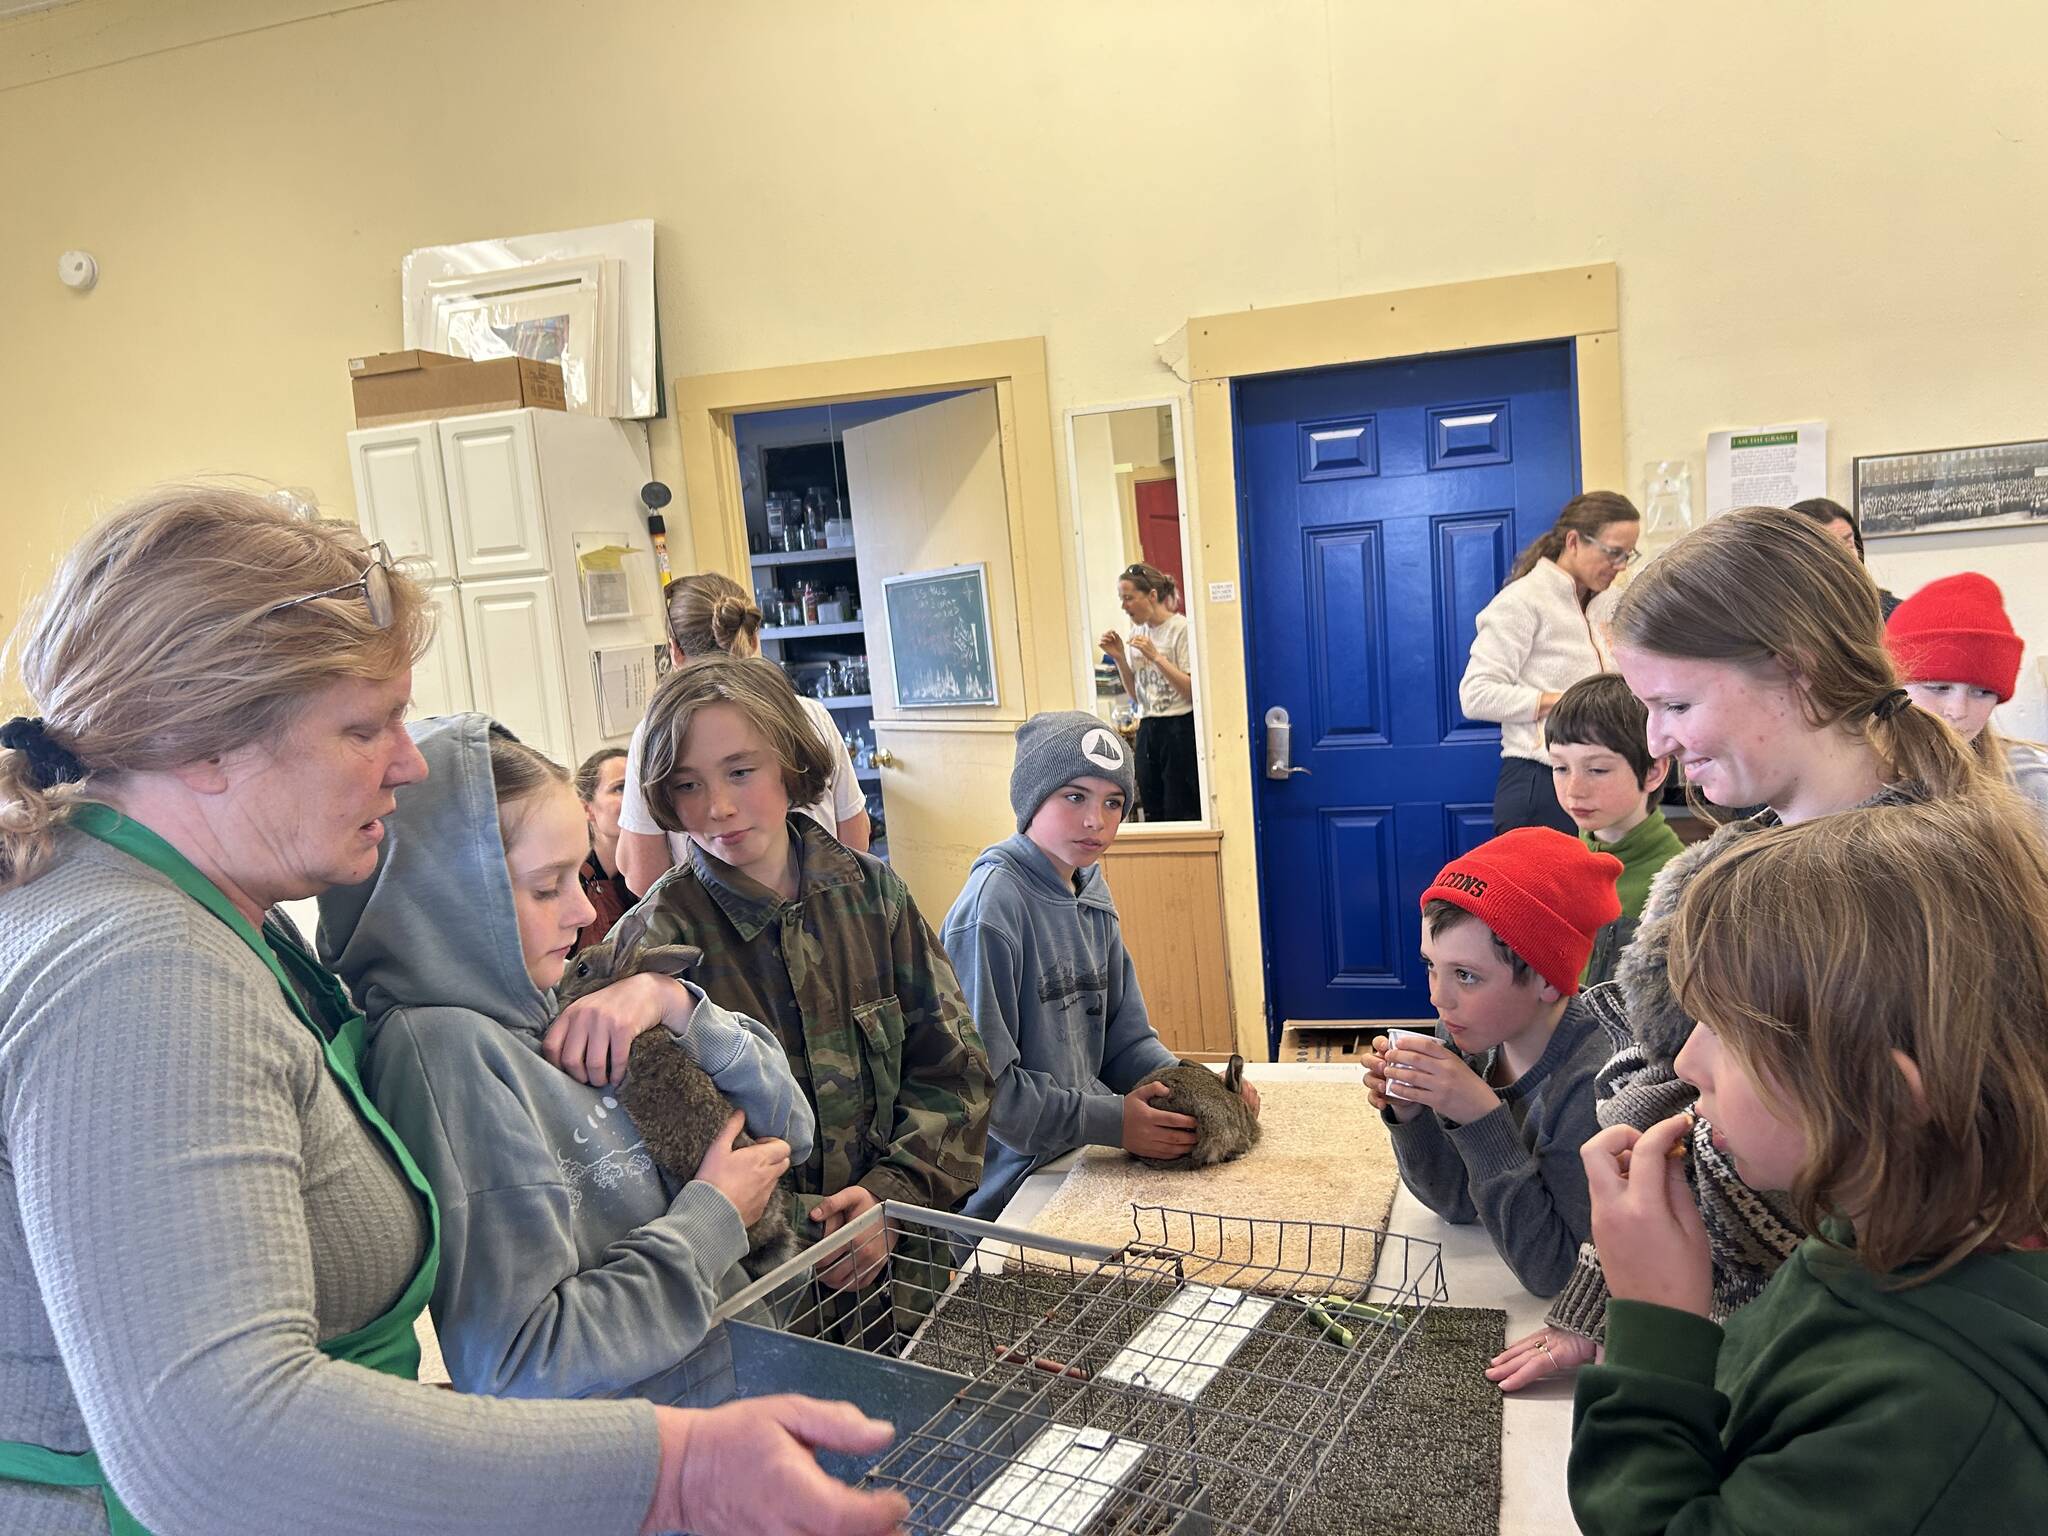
(49, 764)
(1891, 704)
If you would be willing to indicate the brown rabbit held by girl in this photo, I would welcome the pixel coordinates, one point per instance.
(673, 1102)
(1225, 1126)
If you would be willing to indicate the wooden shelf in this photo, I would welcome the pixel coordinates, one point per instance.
(799, 631)
(800, 557)
(846, 700)
(868, 775)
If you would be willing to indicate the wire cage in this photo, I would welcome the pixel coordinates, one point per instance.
(1194, 1380)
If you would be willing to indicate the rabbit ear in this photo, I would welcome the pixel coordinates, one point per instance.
(628, 935)
(676, 960)
(1233, 1075)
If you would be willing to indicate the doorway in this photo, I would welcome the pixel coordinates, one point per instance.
(941, 763)
(804, 557)
(1381, 506)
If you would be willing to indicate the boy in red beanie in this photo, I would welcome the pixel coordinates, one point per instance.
(1959, 658)
(1487, 1127)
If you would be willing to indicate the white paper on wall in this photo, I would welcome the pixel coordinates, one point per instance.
(1766, 466)
(626, 677)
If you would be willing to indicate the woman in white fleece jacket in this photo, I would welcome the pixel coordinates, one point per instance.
(1535, 640)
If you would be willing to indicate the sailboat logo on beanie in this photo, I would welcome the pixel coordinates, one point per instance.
(1102, 749)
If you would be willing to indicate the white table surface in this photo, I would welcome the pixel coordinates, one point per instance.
(1537, 1423)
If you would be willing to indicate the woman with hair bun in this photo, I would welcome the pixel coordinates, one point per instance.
(1535, 640)
(712, 615)
(218, 1246)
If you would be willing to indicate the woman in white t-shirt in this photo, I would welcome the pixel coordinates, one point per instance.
(708, 614)
(1159, 681)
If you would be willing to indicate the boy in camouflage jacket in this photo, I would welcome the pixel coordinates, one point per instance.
(822, 944)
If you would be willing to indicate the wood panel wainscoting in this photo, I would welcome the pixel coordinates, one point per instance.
(1168, 888)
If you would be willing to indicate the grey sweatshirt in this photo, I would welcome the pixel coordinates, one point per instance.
(191, 1205)
(1516, 1170)
(569, 1267)
(1057, 1001)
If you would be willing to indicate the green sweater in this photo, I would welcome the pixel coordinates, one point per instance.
(1643, 852)
(1828, 1405)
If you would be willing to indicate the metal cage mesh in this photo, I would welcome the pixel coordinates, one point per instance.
(1194, 1380)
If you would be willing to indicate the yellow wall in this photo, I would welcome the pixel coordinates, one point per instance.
(1817, 211)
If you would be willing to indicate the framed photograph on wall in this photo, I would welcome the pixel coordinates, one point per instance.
(940, 645)
(1996, 485)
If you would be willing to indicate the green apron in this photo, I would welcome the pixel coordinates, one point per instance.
(387, 1344)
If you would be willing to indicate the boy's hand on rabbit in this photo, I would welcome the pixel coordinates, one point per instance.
(747, 1176)
(1429, 1073)
(1646, 1220)
(1150, 1132)
(1376, 1083)
(860, 1264)
(591, 1038)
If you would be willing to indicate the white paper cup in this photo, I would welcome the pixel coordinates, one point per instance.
(1396, 1038)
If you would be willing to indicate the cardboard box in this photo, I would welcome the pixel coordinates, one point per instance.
(423, 386)
(1317, 1043)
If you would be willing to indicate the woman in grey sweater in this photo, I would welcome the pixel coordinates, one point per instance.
(218, 1246)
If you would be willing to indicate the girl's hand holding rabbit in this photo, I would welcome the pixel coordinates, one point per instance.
(747, 1176)
(591, 1037)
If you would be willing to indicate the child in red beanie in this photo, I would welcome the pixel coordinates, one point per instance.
(1959, 657)
(1487, 1127)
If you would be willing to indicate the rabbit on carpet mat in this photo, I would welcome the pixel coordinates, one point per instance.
(1225, 1127)
(673, 1102)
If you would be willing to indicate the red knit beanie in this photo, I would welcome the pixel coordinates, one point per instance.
(1545, 896)
(1955, 631)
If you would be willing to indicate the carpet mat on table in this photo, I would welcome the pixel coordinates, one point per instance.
(1323, 1157)
(1423, 1456)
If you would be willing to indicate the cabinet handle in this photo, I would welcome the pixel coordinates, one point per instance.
(884, 758)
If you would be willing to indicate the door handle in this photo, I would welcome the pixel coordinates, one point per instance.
(1280, 746)
(884, 758)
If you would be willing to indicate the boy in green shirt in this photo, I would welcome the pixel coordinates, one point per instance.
(1877, 1046)
(1607, 782)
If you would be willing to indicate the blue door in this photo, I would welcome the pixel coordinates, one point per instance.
(1381, 507)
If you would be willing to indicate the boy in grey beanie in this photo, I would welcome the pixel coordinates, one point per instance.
(1039, 950)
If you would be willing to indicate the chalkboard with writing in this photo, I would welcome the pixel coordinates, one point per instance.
(939, 642)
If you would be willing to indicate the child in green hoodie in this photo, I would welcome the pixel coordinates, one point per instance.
(1872, 995)
(1607, 782)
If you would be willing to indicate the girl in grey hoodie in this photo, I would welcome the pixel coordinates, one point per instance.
(569, 1266)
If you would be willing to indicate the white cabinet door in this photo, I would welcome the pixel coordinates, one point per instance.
(440, 679)
(399, 497)
(515, 660)
(493, 478)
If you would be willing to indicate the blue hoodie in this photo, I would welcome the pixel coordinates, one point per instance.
(569, 1266)
(1043, 964)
